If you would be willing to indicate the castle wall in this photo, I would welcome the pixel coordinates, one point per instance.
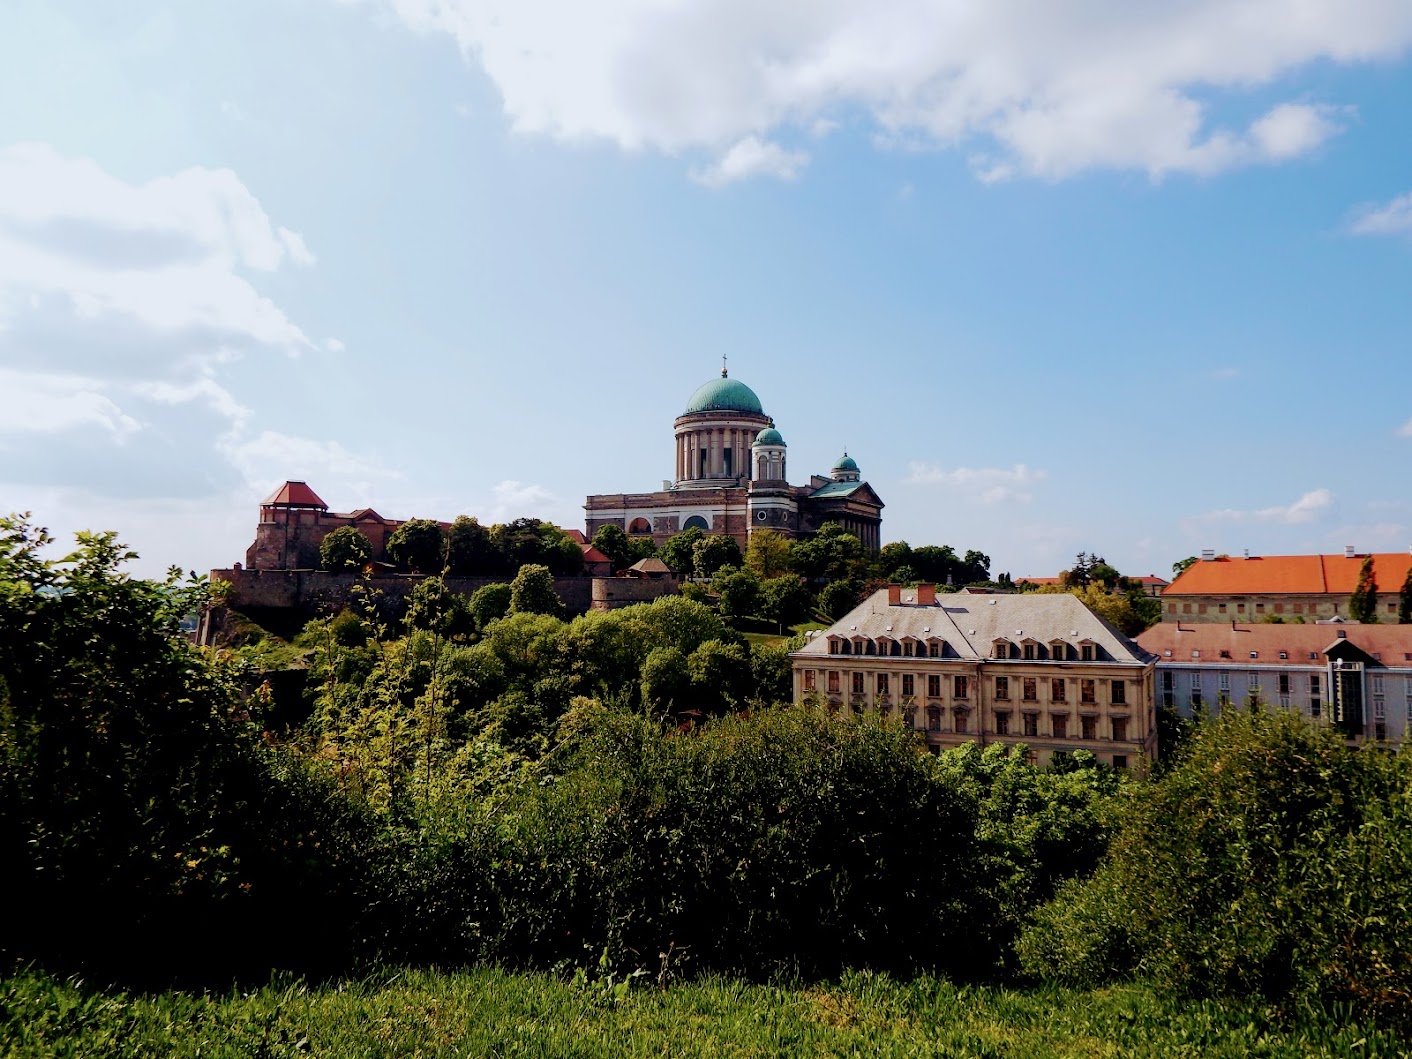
(610, 593)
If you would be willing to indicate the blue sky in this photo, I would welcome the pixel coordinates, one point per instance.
(1126, 278)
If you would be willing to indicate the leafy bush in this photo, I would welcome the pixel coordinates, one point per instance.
(1272, 860)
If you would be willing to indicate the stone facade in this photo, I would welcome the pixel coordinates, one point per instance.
(1041, 670)
(731, 478)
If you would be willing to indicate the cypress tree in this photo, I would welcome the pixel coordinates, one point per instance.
(1404, 600)
(1363, 604)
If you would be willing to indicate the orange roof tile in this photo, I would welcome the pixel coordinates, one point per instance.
(593, 555)
(1389, 644)
(294, 494)
(1291, 574)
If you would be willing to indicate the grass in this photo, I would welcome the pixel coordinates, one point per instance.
(490, 1012)
(759, 631)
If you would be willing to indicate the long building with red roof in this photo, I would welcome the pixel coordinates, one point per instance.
(1224, 588)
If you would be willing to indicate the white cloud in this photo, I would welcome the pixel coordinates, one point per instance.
(217, 397)
(46, 403)
(1039, 89)
(752, 157)
(1391, 218)
(512, 499)
(1307, 508)
(990, 485)
(272, 457)
(334, 345)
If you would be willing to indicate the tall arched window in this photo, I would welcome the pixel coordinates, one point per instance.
(695, 522)
(639, 525)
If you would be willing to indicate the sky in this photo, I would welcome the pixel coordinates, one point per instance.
(1120, 277)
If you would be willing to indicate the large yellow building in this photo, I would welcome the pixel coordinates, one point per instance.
(1042, 670)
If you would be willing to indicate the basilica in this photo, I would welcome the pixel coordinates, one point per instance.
(731, 478)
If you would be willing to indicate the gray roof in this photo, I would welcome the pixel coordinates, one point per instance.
(838, 489)
(970, 625)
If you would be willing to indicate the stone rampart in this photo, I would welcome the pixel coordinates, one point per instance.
(610, 593)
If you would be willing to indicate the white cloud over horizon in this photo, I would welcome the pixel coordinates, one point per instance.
(988, 485)
(1044, 91)
(1307, 508)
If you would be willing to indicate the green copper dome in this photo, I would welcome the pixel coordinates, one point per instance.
(846, 463)
(724, 395)
(769, 436)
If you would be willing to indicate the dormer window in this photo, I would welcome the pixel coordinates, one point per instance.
(1000, 649)
(1059, 651)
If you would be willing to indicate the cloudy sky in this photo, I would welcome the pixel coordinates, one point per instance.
(1127, 277)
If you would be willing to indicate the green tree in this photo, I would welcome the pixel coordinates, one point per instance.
(893, 557)
(665, 683)
(833, 554)
(766, 554)
(345, 549)
(1179, 567)
(640, 547)
(785, 600)
(721, 676)
(418, 545)
(714, 551)
(1404, 600)
(490, 603)
(532, 591)
(436, 609)
(1363, 603)
(838, 598)
(739, 591)
(615, 544)
(677, 550)
(470, 551)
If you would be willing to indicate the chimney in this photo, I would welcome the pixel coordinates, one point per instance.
(894, 595)
(1207, 554)
(1349, 552)
(1247, 553)
(926, 594)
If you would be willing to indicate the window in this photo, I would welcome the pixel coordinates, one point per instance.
(1086, 651)
(909, 685)
(1240, 606)
(959, 687)
(857, 683)
(1118, 695)
(933, 718)
(1002, 688)
(933, 650)
(833, 682)
(1282, 682)
(934, 687)
(808, 680)
(1059, 726)
(1169, 692)
(1298, 608)
(1059, 651)
(1001, 649)
(1314, 688)
(1056, 690)
(882, 683)
(1377, 684)
(1260, 608)
(1120, 729)
(1253, 682)
(960, 720)
(1030, 691)
(1279, 608)
(1031, 725)
(1379, 708)
(1089, 727)
(907, 647)
(1086, 690)
(1120, 761)
(1221, 607)
(1171, 608)
(1196, 689)
(1186, 608)
(1029, 652)
(1168, 680)
(1002, 724)
(1223, 680)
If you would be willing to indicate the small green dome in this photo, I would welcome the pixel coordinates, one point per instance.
(724, 395)
(769, 436)
(846, 463)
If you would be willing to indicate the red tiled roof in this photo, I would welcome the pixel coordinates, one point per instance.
(294, 494)
(593, 555)
(1390, 644)
(576, 535)
(1292, 574)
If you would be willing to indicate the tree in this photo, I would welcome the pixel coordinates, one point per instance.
(615, 544)
(469, 550)
(1179, 567)
(975, 567)
(640, 548)
(665, 682)
(418, 545)
(532, 591)
(833, 554)
(437, 610)
(714, 551)
(893, 557)
(490, 603)
(785, 599)
(1404, 600)
(739, 590)
(1363, 603)
(721, 676)
(676, 551)
(345, 549)
(837, 598)
(766, 554)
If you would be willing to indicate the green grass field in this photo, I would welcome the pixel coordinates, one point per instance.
(494, 1013)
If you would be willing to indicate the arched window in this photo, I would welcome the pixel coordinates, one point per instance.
(639, 525)
(695, 522)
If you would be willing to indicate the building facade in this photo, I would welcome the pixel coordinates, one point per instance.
(1042, 670)
(731, 477)
(1251, 588)
(1357, 678)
